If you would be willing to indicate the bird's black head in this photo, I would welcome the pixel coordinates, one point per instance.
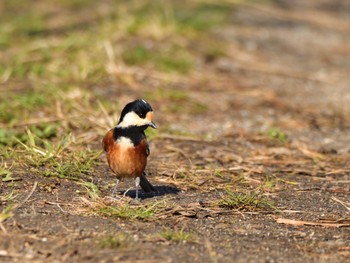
(137, 113)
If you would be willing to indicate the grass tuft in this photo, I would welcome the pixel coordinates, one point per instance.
(116, 241)
(7, 175)
(203, 17)
(244, 201)
(7, 212)
(57, 159)
(177, 236)
(8, 197)
(128, 212)
(10, 137)
(125, 211)
(277, 135)
(91, 188)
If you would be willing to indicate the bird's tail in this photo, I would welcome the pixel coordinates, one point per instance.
(145, 184)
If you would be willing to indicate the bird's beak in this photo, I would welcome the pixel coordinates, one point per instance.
(153, 125)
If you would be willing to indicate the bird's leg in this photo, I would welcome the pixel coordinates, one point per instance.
(115, 188)
(137, 184)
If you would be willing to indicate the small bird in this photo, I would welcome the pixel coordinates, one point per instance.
(126, 144)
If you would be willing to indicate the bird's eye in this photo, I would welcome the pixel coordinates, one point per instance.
(140, 114)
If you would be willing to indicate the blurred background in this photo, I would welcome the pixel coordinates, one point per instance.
(208, 68)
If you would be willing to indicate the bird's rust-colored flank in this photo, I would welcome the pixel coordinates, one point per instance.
(108, 140)
(129, 162)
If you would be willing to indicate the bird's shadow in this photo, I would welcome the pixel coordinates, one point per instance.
(160, 191)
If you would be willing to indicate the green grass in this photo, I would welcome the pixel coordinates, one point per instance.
(244, 201)
(129, 212)
(204, 16)
(219, 173)
(141, 212)
(7, 212)
(7, 175)
(8, 197)
(177, 236)
(11, 137)
(179, 17)
(91, 189)
(271, 182)
(115, 241)
(39, 50)
(213, 53)
(151, 134)
(57, 159)
(170, 59)
(72, 165)
(15, 106)
(275, 134)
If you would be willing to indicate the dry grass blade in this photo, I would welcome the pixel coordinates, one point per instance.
(308, 223)
(309, 153)
(8, 211)
(346, 205)
(108, 118)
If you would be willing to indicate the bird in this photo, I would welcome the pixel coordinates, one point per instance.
(126, 145)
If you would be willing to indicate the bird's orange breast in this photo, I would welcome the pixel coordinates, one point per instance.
(124, 159)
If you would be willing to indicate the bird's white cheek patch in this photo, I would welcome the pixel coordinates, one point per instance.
(132, 118)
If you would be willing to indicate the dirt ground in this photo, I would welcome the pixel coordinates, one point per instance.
(275, 124)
